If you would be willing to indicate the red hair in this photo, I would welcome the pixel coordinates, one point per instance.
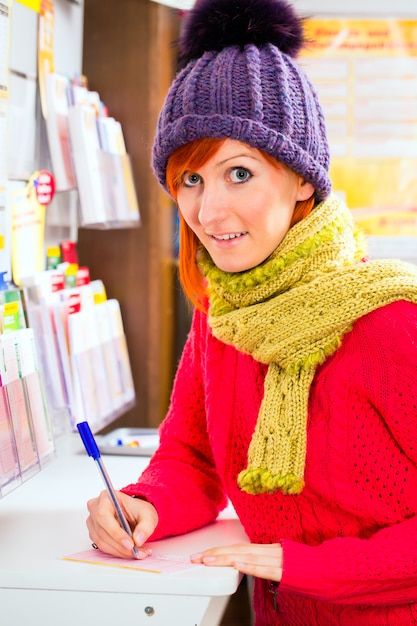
(190, 158)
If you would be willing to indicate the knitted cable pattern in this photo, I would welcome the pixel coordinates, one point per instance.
(291, 313)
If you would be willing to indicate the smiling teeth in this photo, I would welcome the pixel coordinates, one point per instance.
(226, 237)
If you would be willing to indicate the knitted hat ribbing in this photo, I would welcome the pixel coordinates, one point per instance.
(241, 81)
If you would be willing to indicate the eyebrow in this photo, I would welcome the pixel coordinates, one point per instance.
(237, 156)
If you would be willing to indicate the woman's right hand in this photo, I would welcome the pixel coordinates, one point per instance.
(105, 530)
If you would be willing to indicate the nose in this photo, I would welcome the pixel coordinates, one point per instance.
(213, 207)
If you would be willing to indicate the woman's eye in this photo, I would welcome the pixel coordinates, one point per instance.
(190, 180)
(240, 175)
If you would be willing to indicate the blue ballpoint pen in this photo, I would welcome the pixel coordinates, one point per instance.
(93, 451)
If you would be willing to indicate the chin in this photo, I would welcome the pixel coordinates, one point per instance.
(234, 268)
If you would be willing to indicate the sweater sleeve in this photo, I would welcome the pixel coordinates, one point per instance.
(381, 569)
(377, 571)
(181, 480)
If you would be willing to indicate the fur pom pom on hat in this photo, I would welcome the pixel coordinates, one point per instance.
(214, 25)
(240, 80)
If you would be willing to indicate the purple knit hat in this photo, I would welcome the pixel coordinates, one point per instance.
(240, 80)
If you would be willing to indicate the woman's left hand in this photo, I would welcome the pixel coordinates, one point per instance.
(254, 559)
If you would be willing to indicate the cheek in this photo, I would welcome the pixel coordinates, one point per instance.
(275, 217)
(187, 206)
(185, 211)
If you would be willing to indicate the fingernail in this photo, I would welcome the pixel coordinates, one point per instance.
(143, 554)
(209, 559)
(139, 538)
(127, 544)
(196, 557)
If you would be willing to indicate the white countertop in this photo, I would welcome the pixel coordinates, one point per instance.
(44, 519)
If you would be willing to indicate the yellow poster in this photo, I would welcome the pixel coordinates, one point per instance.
(365, 73)
(46, 62)
(28, 234)
(4, 94)
(35, 5)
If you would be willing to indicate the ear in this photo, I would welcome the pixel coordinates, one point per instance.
(305, 189)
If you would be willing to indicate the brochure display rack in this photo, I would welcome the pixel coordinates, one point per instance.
(26, 434)
(84, 353)
(72, 362)
(88, 152)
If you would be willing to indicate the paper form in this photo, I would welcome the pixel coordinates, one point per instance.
(29, 372)
(17, 402)
(57, 127)
(156, 563)
(9, 463)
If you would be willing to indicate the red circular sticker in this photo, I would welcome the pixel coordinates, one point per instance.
(45, 187)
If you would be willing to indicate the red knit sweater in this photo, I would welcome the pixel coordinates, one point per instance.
(350, 538)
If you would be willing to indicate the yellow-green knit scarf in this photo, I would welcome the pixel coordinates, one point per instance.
(291, 312)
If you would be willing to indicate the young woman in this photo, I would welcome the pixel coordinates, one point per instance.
(296, 394)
